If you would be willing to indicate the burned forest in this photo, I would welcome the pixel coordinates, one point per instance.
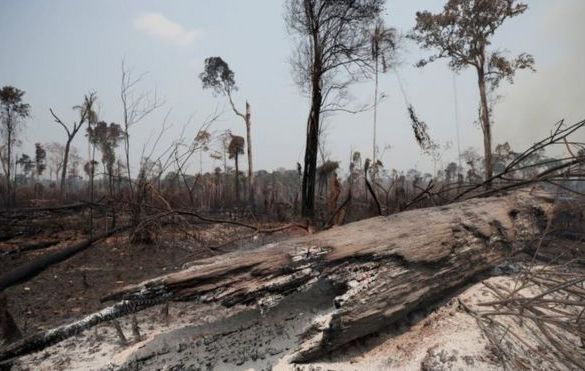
(292, 185)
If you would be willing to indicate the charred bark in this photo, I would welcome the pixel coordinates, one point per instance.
(388, 266)
(374, 272)
(32, 247)
(29, 270)
(311, 150)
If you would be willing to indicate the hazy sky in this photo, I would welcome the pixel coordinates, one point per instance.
(59, 50)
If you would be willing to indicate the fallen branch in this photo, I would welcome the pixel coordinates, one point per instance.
(31, 269)
(370, 189)
(44, 339)
(32, 247)
(343, 205)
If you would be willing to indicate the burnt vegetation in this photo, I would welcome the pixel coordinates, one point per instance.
(66, 211)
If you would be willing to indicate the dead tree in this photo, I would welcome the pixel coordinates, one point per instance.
(34, 267)
(218, 76)
(333, 50)
(86, 114)
(372, 273)
(383, 43)
(136, 106)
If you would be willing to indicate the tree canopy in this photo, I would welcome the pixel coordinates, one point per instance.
(462, 32)
(218, 76)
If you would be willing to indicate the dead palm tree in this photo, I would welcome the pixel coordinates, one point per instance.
(383, 44)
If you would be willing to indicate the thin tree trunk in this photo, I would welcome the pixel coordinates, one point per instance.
(237, 181)
(375, 113)
(127, 151)
(111, 179)
(91, 196)
(9, 159)
(250, 166)
(486, 127)
(13, 200)
(65, 161)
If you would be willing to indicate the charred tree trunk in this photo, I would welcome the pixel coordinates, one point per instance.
(385, 267)
(9, 331)
(237, 178)
(65, 163)
(248, 121)
(9, 190)
(351, 281)
(311, 150)
(32, 268)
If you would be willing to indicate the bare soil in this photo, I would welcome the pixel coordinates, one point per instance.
(446, 338)
(73, 288)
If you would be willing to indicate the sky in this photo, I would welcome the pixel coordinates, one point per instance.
(59, 50)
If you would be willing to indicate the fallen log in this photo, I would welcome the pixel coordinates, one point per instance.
(32, 247)
(78, 206)
(374, 272)
(29, 270)
(44, 339)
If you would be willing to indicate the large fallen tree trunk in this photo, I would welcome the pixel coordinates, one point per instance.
(377, 270)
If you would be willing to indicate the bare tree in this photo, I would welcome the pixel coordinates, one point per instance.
(136, 106)
(383, 44)
(333, 51)
(218, 76)
(462, 33)
(183, 152)
(86, 114)
(12, 112)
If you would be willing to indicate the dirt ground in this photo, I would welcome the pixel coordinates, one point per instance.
(448, 338)
(73, 288)
(444, 338)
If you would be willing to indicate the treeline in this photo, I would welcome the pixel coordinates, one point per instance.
(336, 43)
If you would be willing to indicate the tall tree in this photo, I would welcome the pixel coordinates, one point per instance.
(383, 44)
(136, 106)
(12, 112)
(106, 138)
(235, 149)
(86, 114)
(462, 33)
(218, 76)
(333, 51)
(40, 159)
